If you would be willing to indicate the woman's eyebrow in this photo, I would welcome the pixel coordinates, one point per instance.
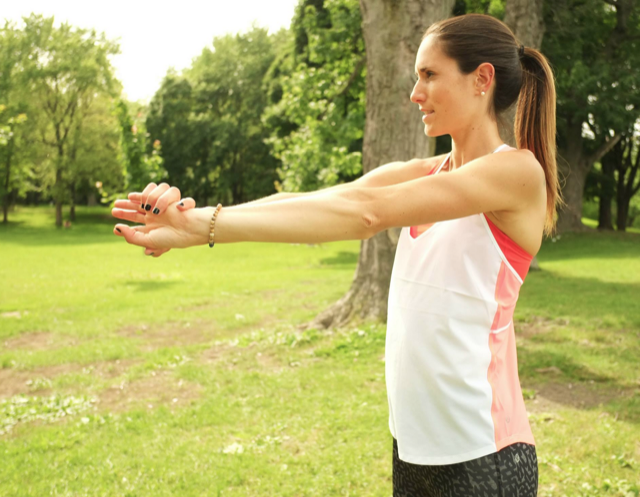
(422, 70)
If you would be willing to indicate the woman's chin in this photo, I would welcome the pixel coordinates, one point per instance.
(432, 131)
(429, 131)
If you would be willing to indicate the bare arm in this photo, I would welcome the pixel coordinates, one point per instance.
(343, 212)
(399, 172)
(385, 175)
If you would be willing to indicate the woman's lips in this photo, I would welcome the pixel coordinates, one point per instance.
(427, 115)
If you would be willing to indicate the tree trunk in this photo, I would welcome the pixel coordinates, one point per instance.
(607, 189)
(573, 165)
(605, 217)
(622, 215)
(7, 180)
(58, 197)
(393, 131)
(72, 208)
(525, 19)
(627, 187)
(572, 169)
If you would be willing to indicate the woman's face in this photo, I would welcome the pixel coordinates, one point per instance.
(449, 99)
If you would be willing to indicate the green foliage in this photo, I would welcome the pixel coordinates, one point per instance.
(15, 125)
(208, 121)
(15, 175)
(493, 8)
(318, 123)
(169, 122)
(138, 167)
(597, 68)
(93, 150)
(67, 71)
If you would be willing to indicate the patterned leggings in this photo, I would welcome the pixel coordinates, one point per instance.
(510, 472)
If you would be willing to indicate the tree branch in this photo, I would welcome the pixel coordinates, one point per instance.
(603, 149)
(352, 78)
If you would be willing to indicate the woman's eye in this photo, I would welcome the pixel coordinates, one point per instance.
(429, 73)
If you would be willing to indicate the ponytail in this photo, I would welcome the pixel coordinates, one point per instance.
(535, 125)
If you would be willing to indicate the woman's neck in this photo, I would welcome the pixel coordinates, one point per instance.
(475, 142)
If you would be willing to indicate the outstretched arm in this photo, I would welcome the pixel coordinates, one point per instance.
(157, 198)
(316, 218)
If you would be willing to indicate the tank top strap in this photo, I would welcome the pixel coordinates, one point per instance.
(446, 159)
(504, 146)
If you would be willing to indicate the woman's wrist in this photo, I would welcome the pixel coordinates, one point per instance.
(199, 224)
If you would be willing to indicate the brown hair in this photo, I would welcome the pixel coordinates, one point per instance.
(473, 39)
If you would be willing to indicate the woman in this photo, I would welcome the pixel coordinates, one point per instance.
(476, 219)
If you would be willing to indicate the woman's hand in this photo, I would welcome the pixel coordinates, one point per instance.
(142, 207)
(169, 229)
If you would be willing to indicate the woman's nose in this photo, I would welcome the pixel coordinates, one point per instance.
(417, 95)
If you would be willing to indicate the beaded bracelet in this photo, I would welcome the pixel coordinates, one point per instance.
(213, 222)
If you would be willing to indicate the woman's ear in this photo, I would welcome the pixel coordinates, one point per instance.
(485, 74)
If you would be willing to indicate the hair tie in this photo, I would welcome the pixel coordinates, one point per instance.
(521, 51)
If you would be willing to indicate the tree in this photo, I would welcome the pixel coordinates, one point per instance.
(603, 185)
(393, 131)
(229, 101)
(317, 121)
(591, 46)
(139, 166)
(69, 68)
(208, 121)
(95, 155)
(169, 123)
(13, 117)
(626, 161)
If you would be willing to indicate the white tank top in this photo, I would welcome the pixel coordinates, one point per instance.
(450, 359)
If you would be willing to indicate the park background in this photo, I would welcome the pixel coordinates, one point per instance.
(257, 369)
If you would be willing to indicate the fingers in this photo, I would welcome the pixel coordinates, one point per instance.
(145, 193)
(153, 197)
(186, 203)
(171, 195)
(135, 235)
(155, 252)
(136, 198)
(129, 215)
(130, 204)
(157, 197)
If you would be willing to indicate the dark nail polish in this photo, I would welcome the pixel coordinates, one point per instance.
(181, 203)
(118, 230)
(142, 206)
(152, 253)
(147, 207)
(156, 210)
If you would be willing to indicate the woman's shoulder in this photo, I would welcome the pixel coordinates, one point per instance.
(525, 158)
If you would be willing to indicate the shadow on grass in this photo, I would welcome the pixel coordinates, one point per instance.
(341, 259)
(93, 226)
(149, 286)
(530, 360)
(606, 304)
(592, 244)
(575, 385)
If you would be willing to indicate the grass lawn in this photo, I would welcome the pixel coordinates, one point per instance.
(125, 375)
